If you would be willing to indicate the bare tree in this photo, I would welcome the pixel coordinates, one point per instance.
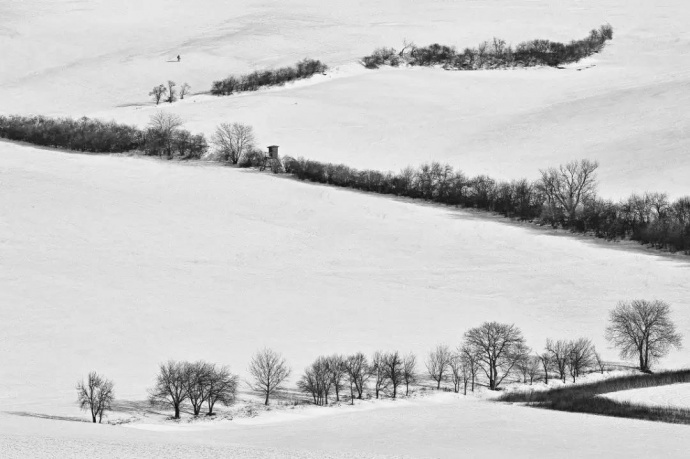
(409, 371)
(95, 395)
(601, 365)
(470, 362)
(357, 368)
(580, 357)
(379, 373)
(437, 363)
(559, 352)
(184, 90)
(162, 127)
(394, 370)
(317, 380)
(533, 367)
(196, 380)
(221, 388)
(456, 370)
(569, 185)
(338, 371)
(232, 141)
(643, 329)
(498, 348)
(268, 370)
(546, 363)
(170, 387)
(158, 92)
(172, 92)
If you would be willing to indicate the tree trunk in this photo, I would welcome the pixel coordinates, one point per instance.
(177, 411)
(266, 403)
(407, 389)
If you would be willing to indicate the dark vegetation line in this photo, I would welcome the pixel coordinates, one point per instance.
(563, 197)
(495, 54)
(259, 79)
(583, 398)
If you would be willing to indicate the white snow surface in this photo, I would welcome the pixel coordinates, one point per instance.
(625, 107)
(115, 264)
(674, 395)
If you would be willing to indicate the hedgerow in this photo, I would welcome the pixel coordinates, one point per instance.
(264, 78)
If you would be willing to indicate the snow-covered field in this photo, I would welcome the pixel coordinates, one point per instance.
(115, 263)
(625, 107)
(674, 395)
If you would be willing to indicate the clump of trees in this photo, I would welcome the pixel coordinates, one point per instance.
(198, 383)
(493, 54)
(264, 78)
(573, 357)
(160, 92)
(643, 330)
(164, 137)
(563, 197)
(234, 142)
(95, 395)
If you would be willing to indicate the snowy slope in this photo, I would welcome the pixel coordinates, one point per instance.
(625, 107)
(674, 395)
(115, 264)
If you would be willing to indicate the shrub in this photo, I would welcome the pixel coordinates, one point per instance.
(264, 78)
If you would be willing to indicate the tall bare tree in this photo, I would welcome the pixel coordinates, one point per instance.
(95, 395)
(232, 141)
(378, 372)
(470, 362)
(184, 90)
(357, 368)
(221, 388)
(197, 379)
(172, 92)
(394, 370)
(170, 387)
(580, 357)
(437, 364)
(409, 371)
(569, 185)
(558, 352)
(268, 370)
(643, 329)
(457, 369)
(338, 372)
(163, 127)
(546, 363)
(498, 348)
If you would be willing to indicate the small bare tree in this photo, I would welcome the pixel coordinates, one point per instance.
(268, 370)
(456, 370)
(221, 388)
(197, 383)
(470, 362)
(163, 127)
(95, 395)
(184, 90)
(378, 372)
(533, 367)
(437, 363)
(569, 185)
(643, 329)
(580, 357)
(232, 141)
(170, 387)
(158, 92)
(601, 365)
(409, 371)
(559, 352)
(337, 372)
(357, 368)
(172, 92)
(394, 370)
(498, 348)
(546, 363)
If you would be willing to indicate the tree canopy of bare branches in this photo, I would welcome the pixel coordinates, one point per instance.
(357, 368)
(569, 185)
(437, 364)
(409, 371)
(558, 356)
(394, 370)
(268, 370)
(378, 371)
(158, 92)
(232, 141)
(170, 387)
(643, 329)
(498, 348)
(161, 131)
(580, 357)
(95, 395)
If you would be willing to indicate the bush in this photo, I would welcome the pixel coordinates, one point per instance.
(495, 54)
(264, 78)
(252, 158)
